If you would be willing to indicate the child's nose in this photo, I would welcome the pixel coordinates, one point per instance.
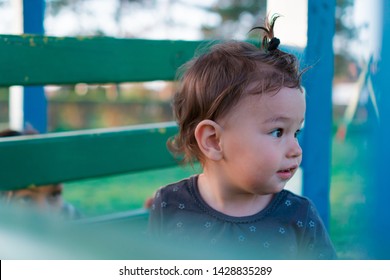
(295, 149)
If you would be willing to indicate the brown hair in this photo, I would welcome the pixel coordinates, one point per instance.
(212, 83)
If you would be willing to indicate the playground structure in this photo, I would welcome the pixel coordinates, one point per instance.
(35, 60)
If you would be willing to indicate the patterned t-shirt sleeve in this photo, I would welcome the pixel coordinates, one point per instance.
(316, 241)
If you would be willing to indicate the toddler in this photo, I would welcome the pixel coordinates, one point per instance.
(239, 110)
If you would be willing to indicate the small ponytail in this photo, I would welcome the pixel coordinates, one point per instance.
(269, 42)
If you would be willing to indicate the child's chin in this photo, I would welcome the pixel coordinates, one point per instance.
(279, 188)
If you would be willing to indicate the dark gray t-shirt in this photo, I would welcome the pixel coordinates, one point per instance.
(288, 228)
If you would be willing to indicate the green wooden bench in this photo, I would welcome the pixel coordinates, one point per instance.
(62, 157)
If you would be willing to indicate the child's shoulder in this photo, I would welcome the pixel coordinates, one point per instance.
(296, 197)
(178, 184)
(298, 203)
(178, 188)
(290, 199)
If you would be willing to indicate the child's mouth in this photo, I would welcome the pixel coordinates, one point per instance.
(286, 174)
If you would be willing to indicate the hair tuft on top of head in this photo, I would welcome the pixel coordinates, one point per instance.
(269, 41)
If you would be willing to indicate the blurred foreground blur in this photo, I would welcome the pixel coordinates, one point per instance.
(42, 236)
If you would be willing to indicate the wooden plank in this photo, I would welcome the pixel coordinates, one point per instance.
(38, 60)
(60, 157)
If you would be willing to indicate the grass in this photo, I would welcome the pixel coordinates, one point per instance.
(348, 193)
(349, 189)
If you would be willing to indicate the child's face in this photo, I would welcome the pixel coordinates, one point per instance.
(260, 149)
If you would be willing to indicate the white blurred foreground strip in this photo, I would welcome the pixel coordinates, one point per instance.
(190, 269)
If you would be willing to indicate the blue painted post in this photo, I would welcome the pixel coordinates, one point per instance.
(34, 99)
(379, 208)
(318, 82)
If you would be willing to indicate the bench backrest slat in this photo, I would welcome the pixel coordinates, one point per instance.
(61, 157)
(41, 60)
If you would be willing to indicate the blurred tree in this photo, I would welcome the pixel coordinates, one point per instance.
(346, 32)
(84, 8)
(55, 6)
(237, 17)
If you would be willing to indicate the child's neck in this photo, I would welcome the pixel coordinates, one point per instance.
(228, 202)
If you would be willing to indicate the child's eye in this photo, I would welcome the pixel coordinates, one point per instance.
(277, 133)
(297, 133)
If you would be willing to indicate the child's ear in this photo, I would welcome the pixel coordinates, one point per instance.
(207, 134)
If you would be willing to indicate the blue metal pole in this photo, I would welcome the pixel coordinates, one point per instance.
(379, 205)
(318, 83)
(35, 103)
